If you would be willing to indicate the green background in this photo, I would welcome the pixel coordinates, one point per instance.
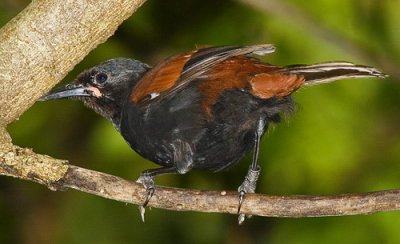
(344, 137)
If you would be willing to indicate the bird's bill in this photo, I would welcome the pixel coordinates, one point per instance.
(71, 91)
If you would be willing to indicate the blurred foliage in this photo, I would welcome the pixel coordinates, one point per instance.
(344, 138)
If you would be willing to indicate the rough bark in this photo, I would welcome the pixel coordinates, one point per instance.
(118, 189)
(46, 40)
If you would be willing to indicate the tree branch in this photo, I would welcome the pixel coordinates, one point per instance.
(46, 40)
(47, 171)
(42, 44)
(298, 17)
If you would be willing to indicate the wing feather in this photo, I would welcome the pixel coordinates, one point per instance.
(175, 73)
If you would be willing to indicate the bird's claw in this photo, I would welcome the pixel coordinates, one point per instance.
(142, 211)
(241, 199)
(150, 193)
(148, 183)
(241, 217)
(248, 186)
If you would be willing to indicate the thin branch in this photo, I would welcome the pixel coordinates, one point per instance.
(296, 16)
(118, 189)
(115, 188)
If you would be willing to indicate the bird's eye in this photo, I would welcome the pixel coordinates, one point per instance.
(101, 78)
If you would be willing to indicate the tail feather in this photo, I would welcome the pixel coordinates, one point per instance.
(327, 72)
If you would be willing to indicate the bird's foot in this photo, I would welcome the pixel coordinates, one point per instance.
(148, 183)
(248, 186)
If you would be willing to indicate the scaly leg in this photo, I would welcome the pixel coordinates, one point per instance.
(183, 162)
(250, 181)
(147, 180)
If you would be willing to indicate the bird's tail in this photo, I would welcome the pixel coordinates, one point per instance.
(327, 72)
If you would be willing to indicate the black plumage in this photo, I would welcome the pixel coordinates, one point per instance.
(204, 109)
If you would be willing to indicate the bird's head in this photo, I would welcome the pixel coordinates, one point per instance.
(105, 87)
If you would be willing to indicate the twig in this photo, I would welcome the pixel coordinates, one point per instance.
(57, 175)
(296, 16)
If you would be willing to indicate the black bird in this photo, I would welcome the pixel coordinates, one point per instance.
(204, 109)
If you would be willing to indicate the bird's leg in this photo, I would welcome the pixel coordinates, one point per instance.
(183, 162)
(147, 180)
(250, 181)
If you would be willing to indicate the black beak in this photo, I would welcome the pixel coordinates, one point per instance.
(69, 91)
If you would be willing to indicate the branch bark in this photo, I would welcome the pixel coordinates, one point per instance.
(42, 44)
(46, 40)
(118, 189)
(297, 17)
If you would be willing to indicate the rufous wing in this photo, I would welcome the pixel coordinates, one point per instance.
(175, 73)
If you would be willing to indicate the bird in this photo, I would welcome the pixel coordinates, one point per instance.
(203, 109)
